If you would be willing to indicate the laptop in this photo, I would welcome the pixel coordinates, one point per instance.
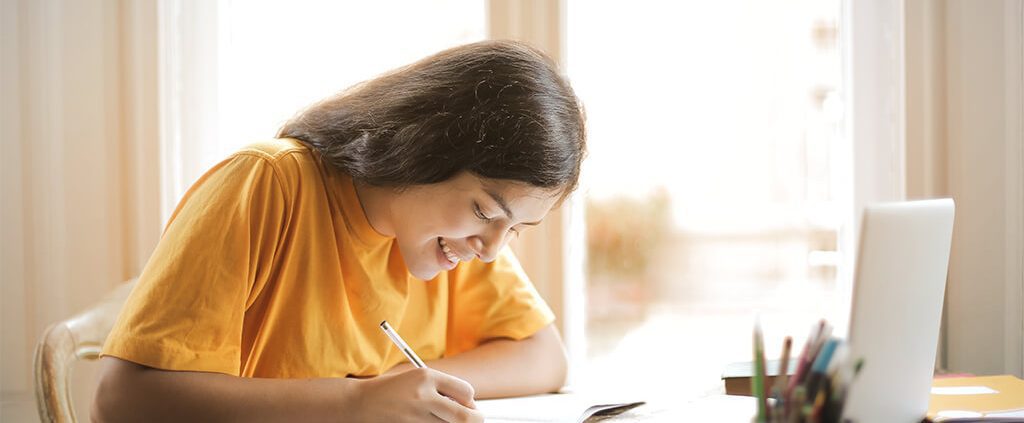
(899, 285)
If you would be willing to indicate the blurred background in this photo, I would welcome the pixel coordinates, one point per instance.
(710, 191)
(732, 144)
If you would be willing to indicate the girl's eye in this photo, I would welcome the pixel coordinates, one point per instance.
(514, 232)
(480, 214)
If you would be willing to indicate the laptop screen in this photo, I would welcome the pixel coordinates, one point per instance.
(899, 284)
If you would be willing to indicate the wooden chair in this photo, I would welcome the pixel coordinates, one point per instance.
(80, 337)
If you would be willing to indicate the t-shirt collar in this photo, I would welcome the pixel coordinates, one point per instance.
(352, 208)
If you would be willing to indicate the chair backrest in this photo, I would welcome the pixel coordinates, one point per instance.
(80, 337)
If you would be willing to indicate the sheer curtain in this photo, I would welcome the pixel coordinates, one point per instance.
(234, 71)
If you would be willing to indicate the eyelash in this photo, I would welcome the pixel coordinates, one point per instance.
(480, 215)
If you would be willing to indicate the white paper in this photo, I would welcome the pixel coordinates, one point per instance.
(961, 416)
(962, 390)
(716, 408)
(1008, 413)
(956, 414)
(552, 408)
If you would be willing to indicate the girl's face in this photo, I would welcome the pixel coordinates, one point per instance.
(461, 219)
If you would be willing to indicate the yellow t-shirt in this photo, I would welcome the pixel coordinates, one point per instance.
(269, 268)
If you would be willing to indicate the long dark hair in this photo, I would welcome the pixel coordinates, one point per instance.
(498, 109)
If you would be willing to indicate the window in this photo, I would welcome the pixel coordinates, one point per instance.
(236, 71)
(714, 131)
(279, 57)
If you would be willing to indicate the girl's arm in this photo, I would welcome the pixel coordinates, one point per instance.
(504, 367)
(132, 392)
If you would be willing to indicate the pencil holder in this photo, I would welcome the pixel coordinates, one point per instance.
(817, 389)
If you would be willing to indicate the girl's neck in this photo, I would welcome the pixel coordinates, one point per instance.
(375, 203)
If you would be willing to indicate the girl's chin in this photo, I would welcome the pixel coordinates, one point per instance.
(425, 275)
(426, 271)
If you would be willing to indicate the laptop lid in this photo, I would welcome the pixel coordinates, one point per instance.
(899, 285)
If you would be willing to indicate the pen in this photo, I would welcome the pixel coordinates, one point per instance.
(759, 374)
(795, 411)
(413, 358)
(812, 355)
(803, 361)
(819, 404)
(780, 380)
(820, 366)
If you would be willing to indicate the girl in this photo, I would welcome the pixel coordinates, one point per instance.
(392, 200)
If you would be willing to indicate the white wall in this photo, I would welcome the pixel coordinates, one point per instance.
(983, 111)
(965, 140)
(79, 211)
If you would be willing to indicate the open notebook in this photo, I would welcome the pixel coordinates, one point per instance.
(589, 407)
(561, 408)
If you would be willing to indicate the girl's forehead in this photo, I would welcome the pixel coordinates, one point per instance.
(516, 190)
(519, 200)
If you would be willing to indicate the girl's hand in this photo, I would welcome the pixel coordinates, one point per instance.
(414, 396)
(402, 367)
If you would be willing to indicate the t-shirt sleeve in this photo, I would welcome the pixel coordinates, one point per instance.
(493, 300)
(187, 310)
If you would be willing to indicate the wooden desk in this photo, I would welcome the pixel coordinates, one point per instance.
(1009, 393)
